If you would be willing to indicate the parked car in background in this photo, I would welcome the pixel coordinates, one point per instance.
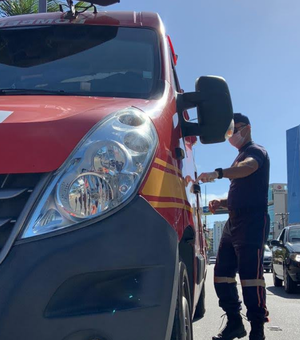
(267, 259)
(286, 258)
(212, 260)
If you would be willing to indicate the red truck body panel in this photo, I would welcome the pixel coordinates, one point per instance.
(42, 131)
(39, 132)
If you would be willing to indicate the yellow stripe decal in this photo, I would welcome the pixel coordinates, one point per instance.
(224, 279)
(253, 283)
(164, 184)
(170, 205)
(167, 165)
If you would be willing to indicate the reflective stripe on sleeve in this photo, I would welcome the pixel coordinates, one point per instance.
(219, 279)
(253, 283)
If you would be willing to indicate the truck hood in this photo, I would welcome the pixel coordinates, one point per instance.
(38, 133)
(294, 247)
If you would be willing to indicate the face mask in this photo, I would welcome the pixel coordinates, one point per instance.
(237, 140)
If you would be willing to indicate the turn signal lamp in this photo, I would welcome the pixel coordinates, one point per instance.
(229, 132)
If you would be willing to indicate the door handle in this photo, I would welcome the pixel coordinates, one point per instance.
(195, 188)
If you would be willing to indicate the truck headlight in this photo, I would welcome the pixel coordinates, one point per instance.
(102, 172)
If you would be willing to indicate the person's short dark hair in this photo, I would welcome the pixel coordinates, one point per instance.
(240, 118)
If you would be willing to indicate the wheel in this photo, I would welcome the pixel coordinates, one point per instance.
(182, 326)
(289, 285)
(267, 270)
(277, 282)
(200, 309)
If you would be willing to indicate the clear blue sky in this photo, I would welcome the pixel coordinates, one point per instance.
(255, 46)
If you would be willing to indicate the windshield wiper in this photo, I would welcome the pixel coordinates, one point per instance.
(31, 91)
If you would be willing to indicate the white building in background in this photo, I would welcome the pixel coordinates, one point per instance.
(218, 230)
(277, 208)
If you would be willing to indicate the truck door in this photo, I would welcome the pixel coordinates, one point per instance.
(189, 174)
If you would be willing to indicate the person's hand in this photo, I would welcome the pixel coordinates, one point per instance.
(208, 176)
(214, 205)
(187, 180)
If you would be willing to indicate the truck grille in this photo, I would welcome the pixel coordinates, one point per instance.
(15, 190)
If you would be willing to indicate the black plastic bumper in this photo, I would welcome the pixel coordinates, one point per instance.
(114, 279)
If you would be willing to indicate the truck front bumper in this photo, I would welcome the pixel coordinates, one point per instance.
(115, 279)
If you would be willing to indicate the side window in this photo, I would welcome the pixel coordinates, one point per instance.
(281, 237)
(191, 140)
(178, 88)
(174, 77)
(173, 59)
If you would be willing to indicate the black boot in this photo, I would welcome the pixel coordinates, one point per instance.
(233, 329)
(257, 331)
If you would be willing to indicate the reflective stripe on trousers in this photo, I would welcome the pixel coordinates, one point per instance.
(236, 253)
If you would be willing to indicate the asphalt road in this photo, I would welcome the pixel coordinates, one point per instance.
(284, 313)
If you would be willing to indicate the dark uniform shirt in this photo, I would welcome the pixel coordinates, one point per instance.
(251, 192)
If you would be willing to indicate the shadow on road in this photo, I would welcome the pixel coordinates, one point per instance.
(279, 291)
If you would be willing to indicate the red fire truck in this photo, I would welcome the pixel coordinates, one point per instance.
(100, 215)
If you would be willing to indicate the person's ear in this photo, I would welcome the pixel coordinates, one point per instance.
(246, 131)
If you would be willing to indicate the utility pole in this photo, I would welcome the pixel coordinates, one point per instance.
(283, 217)
(205, 205)
(42, 6)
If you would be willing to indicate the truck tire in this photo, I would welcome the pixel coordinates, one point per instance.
(289, 285)
(200, 309)
(277, 282)
(182, 326)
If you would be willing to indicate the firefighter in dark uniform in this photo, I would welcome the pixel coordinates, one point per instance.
(245, 233)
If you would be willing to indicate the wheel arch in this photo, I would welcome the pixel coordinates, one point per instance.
(187, 255)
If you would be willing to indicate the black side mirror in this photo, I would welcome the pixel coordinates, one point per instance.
(276, 243)
(214, 110)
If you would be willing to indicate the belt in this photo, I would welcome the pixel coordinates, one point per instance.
(246, 210)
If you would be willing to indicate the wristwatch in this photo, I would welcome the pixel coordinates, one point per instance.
(220, 172)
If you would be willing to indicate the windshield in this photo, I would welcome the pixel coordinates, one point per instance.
(81, 60)
(294, 235)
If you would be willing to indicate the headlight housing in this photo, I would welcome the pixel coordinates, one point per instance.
(103, 171)
(295, 257)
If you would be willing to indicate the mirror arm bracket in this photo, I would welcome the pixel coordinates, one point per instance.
(185, 101)
(188, 100)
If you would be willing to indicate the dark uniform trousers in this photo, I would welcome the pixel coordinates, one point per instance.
(241, 250)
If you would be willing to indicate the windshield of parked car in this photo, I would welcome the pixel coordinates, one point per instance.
(86, 60)
(294, 235)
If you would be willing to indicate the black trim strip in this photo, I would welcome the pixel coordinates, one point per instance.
(6, 194)
(21, 219)
(4, 221)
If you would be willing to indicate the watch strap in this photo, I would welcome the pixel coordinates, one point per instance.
(220, 172)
